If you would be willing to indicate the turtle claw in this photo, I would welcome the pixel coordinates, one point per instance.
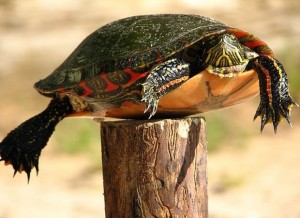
(151, 97)
(15, 154)
(274, 114)
(151, 105)
(26, 171)
(28, 166)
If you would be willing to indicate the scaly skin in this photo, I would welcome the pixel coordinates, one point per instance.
(149, 56)
(162, 79)
(22, 146)
(275, 99)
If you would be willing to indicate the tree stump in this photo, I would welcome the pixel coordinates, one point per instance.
(155, 168)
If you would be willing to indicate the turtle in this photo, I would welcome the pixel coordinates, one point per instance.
(154, 66)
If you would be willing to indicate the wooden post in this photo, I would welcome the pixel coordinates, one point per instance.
(154, 168)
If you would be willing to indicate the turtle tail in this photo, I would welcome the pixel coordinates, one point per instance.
(275, 100)
(22, 146)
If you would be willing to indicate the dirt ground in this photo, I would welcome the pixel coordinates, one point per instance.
(259, 179)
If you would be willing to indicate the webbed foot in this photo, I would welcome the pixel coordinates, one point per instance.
(22, 146)
(275, 100)
(163, 78)
(275, 113)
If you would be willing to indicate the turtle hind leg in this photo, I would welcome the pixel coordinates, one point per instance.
(22, 146)
(275, 100)
(163, 78)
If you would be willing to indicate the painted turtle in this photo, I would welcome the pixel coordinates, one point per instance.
(155, 65)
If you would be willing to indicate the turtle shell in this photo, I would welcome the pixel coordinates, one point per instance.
(107, 69)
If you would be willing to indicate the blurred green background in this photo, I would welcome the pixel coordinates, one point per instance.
(249, 174)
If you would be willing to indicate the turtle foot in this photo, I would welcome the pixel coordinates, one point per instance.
(275, 100)
(163, 78)
(22, 156)
(270, 113)
(22, 146)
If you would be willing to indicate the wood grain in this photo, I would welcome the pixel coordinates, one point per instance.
(154, 168)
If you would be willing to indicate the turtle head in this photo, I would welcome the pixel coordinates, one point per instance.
(225, 56)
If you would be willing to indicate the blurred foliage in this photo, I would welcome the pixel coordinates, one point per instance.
(228, 181)
(216, 131)
(221, 131)
(75, 136)
(37, 35)
(289, 57)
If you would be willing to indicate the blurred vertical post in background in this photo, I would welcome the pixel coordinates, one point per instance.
(155, 168)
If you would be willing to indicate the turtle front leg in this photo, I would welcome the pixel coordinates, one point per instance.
(22, 146)
(163, 78)
(275, 99)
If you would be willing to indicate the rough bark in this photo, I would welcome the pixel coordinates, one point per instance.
(155, 168)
